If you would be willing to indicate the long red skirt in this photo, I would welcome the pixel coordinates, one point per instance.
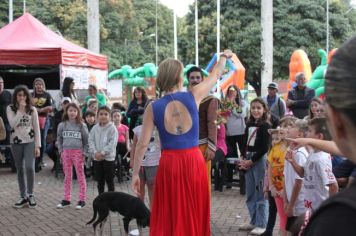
(181, 204)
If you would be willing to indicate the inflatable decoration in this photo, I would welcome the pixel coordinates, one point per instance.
(299, 62)
(235, 73)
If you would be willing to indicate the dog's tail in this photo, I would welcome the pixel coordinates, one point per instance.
(95, 214)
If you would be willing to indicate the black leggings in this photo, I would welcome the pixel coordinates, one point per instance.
(104, 172)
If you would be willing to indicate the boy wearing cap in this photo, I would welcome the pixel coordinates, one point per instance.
(276, 105)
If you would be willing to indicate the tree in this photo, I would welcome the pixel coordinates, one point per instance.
(297, 24)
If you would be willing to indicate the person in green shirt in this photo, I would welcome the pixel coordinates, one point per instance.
(93, 93)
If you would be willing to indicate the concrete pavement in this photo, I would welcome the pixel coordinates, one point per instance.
(45, 219)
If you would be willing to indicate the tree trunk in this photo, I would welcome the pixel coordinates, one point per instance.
(93, 27)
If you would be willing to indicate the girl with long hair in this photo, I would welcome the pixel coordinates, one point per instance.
(66, 91)
(256, 146)
(25, 142)
(72, 139)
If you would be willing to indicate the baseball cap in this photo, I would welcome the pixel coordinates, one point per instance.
(66, 99)
(273, 85)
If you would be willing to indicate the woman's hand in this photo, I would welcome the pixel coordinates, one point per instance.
(37, 152)
(135, 185)
(227, 53)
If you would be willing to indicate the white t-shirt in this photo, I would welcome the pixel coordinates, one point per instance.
(300, 156)
(317, 175)
(153, 153)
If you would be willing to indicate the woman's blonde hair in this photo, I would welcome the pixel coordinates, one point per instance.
(170, 72)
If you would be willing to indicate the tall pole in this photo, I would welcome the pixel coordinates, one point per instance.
(156, 33)
(175, 33)
(24, 6)
(266, 44)
(218, 40)
(196, 34)
(327, 27)
(93, 28)
(11, 11)
(218, 27)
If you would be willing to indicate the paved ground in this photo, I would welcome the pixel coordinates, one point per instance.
(45, 219)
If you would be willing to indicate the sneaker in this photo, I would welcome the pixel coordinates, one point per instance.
(80, 205)
(258, 231)
(21, 203)
(246, 226)
(31, 201)
(63, 204)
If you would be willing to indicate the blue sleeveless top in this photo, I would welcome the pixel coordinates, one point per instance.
(174, 141)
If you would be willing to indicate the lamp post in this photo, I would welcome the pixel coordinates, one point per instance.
(327, 27)
(156, 22)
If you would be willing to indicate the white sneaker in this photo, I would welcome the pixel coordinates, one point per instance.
(258, 231)
(246, 226)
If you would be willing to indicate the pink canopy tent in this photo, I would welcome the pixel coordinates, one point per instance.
(29, 49)
(26, 41)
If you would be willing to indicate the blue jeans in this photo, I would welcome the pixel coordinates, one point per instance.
(44, 133)
(256, 204)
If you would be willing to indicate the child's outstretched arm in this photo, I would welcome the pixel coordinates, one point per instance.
(323, 145)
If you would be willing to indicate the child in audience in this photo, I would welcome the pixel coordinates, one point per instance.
(93, 105)
(293, 192)
(102, 145)
(72, 140)
(150, 162)
(256, 145)
(89, 117)
(123, 141)
(319, 181)
(276, 166)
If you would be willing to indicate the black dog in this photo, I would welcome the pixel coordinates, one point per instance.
(128, 206)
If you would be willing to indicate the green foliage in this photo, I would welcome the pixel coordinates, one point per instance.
(297, 24)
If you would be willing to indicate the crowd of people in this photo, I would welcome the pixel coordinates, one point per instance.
(292, 153)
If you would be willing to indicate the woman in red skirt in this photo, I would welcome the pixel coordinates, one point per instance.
(181, 204)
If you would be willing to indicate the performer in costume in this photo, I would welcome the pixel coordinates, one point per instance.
(207, 117)
(181, 204)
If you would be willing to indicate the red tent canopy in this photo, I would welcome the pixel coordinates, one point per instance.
(26, 41)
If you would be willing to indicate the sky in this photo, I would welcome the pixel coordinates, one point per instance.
(182, 6)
